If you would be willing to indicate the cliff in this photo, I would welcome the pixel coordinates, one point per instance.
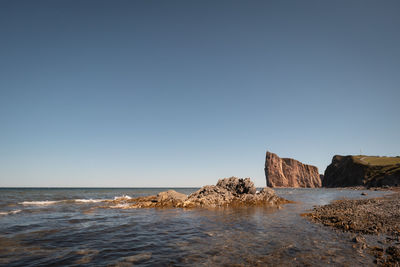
(287, 172)
(368, 171)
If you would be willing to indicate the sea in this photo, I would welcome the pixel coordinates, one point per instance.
(76, 227)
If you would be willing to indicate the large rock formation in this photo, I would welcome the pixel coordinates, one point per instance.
(286, 172)
(362, 170)
(228, 192)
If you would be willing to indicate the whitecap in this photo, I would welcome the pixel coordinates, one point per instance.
(14, 211)
(124, 197)
(40, 203)
(120, 206)
(10, 212)
(89, 200)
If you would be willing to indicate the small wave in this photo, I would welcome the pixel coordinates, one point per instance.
(14, 211)
(79, 200)
(120, 206)
(124, 197)
(10, 212)
(89, 200)
(40, 203)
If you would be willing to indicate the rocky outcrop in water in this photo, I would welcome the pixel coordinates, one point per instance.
(227, 192)
(287, 172)
(367, 171)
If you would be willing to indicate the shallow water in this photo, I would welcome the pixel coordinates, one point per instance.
(70, 227)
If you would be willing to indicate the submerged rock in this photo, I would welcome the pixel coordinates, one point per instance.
(227, 192)
(359, 239)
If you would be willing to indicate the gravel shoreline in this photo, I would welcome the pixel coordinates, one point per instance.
(363, 217)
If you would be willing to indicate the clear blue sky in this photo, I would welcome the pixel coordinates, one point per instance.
(181, 93)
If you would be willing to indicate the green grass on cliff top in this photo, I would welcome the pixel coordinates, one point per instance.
(379, 166)
(377, 161)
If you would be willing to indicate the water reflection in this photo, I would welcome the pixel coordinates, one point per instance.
(66, 234)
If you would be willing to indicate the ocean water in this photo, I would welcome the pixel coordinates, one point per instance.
(76, 227)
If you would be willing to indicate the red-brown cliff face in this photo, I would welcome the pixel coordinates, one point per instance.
(286, 172)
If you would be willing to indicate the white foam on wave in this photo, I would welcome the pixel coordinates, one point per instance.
(10, 212)
(14, 211)
(40, 203)
(89, 200)
(120, 206)
(124, 197)
(78, 200)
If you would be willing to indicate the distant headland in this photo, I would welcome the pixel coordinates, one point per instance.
(344, 171)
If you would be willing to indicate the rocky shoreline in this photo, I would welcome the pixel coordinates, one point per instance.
(379, 217)
(228, 192)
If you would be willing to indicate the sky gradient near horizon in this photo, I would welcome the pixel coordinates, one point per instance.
(181, 93)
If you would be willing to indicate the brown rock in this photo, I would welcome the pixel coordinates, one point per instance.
(210, 196)
(233, 192)
(287, 172)
(170, 198)
(394, 251)
(237, 186)
(362, 216)
(359, 239)
(228, 192)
